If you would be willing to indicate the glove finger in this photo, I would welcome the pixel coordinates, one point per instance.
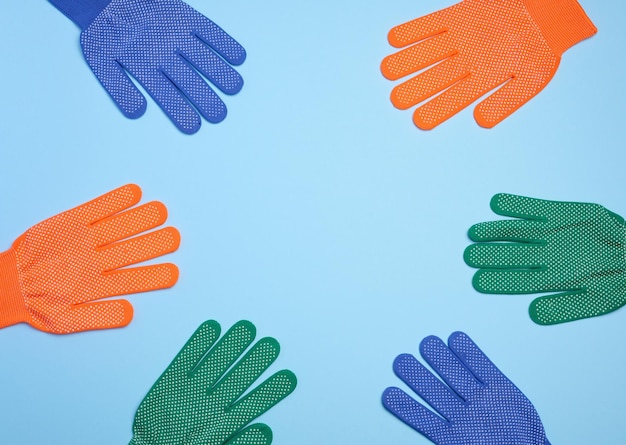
(219, 40)
(196, 347)
(415, 415)
(116, 82)
(449, 367)
(212, 67)
(428, 83)
(264, 396)
(508, 230)
(196, 90)
(106, 205)
(138, 249)
(246, 371)
(504, 256)
(473, 358)
(419, 29)
(456, 98)
(511, 281)
(417, 57)
(257, 434)
(224, 353)
(554, 212)
(426, 385)
(139, 279)
(129, 223)
(169, 98)
(88, 316)
(569, 306)
(517, 206)
(504, 102)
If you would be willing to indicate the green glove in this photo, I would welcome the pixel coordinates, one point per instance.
(575, 250)
(198, 399)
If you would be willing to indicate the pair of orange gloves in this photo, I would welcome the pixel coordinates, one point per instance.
(59, 275)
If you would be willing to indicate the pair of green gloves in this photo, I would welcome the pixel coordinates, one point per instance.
(574, 251)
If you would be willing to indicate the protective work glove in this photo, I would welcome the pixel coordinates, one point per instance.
(476, 404)
(575, 250)
(199, 399)
(482, 45)
(166, 46)
(54, 274)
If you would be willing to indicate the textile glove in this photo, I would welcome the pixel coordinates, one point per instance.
(199, 399)
(476, 404)
(53, 274)
(481, 44)
(576, 250)
(165, 45)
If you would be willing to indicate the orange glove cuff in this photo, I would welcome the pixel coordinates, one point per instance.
(12, 308)
(563, 23)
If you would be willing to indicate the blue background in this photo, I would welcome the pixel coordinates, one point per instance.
(317, 211)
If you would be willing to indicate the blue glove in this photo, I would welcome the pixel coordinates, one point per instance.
(165, 45)
(477, 405)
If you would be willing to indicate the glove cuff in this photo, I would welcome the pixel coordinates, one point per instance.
(563, 23)
(81, 12)
(12, 308)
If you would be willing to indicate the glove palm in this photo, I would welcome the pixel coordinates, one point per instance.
(575, 250)
(477, 405)
(198, 399)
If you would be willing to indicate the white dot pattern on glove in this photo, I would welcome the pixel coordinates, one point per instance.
(200, 397)
(577, 249)
(164, 44)
(490, 410)
(75, 258)
(483, 44)
(254, 436)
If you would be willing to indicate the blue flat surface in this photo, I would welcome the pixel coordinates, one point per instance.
(315, 210)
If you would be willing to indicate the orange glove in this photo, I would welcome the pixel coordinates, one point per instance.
(481, 45)
(52, 274)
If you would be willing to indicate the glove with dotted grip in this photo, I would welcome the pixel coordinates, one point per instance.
(199, 399)
(475, 403)
(472, 48)
(168, 47)
(574, 251)
(54, 274)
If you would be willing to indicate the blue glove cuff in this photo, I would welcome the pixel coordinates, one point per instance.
(81, 12)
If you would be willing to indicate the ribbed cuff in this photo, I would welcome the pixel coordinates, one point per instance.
(562, 22)
(81, 12)
(12, 309)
